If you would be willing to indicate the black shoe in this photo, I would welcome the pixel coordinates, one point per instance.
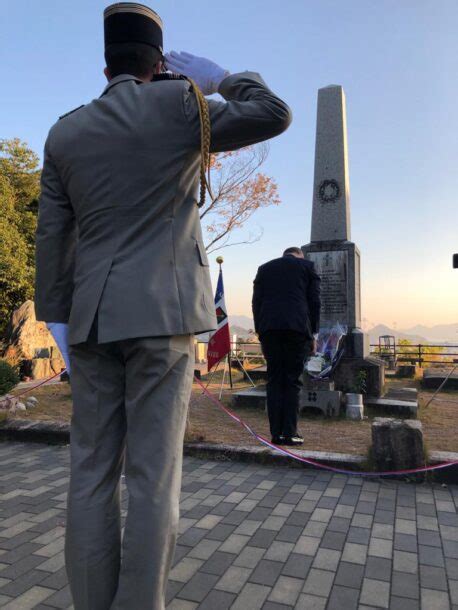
(278, 440)
(293, 440)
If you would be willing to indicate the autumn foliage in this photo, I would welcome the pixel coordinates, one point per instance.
(238, 190)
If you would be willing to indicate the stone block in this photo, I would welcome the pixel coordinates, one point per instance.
(433, 378)
(361, 343)
(327, 401)
(406, 370)
(397, 444)
(317, 384)
(252, 398)
(354, 407)
(388, 405)
(348, 369)
(257, 374)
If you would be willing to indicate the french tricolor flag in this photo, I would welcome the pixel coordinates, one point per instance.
(219, 343)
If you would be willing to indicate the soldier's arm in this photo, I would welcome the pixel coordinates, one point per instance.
(55, 247)
(252, 113)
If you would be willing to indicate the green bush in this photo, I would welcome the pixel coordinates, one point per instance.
(8, 377)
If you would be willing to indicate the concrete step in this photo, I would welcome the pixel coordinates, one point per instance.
(257, 374)
(433, 377)
(395, 404)
(403, 408)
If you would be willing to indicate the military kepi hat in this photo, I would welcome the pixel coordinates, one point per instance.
(132, 22)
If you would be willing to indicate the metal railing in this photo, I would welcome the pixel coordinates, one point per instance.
(244, 351)
(418, 354)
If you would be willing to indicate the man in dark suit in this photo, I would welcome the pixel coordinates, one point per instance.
(286, 309)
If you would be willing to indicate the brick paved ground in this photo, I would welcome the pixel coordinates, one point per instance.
(251, 537)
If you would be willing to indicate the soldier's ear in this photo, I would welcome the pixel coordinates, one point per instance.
(107, 74)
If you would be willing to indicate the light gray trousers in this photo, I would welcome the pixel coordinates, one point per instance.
(130, 401)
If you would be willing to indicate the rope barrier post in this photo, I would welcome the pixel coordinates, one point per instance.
(441, 386)
(224, 378)
(230, 370)
(295, 456)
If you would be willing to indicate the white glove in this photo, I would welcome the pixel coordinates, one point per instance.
(204, 72)
(59, 331)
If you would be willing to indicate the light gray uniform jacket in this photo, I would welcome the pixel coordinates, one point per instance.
(118, 226)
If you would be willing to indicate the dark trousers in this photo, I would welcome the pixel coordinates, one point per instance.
(285, 352)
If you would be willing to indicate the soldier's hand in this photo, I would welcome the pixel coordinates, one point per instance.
(204, 72)
(59, 331)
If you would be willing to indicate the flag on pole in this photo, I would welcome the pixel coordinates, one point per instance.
(219, 343)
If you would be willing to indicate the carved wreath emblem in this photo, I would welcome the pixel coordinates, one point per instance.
(329, 191)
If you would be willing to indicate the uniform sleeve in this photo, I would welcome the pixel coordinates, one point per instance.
(256, 300)
(55, 247)
(252, 113)
(314, 299)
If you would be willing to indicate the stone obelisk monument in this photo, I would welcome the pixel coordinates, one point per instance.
(336, 257)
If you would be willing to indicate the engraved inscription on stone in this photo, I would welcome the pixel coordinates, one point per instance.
(332, 268)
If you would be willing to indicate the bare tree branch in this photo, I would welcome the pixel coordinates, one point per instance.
(238, 189)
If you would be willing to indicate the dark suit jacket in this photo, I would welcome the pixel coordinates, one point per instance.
(286, 296)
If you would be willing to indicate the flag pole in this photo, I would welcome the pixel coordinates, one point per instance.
(220, 261)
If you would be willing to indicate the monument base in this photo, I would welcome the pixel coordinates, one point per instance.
(347, 375)
(328, 402)
(360, 343)
(338, 265)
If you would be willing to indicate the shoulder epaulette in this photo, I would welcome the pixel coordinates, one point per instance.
(168, 76)
(71, 112)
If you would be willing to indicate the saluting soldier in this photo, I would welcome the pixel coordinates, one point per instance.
(123, 278)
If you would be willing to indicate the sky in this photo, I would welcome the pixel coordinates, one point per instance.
(397, 62)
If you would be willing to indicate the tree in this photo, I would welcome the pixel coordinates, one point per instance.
(430, 353)
(16, 274)
(238, 190)
(19, 190)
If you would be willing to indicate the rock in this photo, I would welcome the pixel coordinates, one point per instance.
(41, 368)
(57, 364)
(7, 401)
(12, 404)
(30, 405)
(397, 444)
(20, 406)
(32, 399)
(27, 339)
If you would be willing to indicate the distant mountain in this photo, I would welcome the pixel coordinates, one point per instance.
(381, 329)
(440, 333)
(234, 329)
(242, 333)
(243, 321)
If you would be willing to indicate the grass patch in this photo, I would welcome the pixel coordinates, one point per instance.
(209, 424)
